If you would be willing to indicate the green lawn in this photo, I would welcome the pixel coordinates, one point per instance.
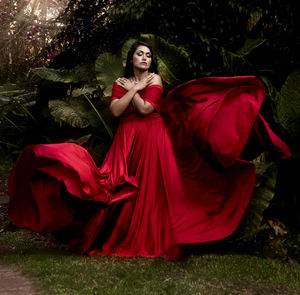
(59, 272)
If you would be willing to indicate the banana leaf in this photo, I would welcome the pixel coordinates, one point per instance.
(173, 61)
(9, 90)
(266, 176)
(286, 103)
(82, 140)
(83, 91)
(72, 111)
(125, 50)
(234, 61)
(249, 46)
(108, 68)
(78, 74)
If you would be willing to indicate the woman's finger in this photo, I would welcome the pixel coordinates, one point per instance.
(150, 78)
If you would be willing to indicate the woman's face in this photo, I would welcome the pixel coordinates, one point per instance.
(142, 58)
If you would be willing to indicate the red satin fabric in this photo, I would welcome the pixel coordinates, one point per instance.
(164, 182)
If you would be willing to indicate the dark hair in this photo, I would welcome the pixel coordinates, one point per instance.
(128, 72)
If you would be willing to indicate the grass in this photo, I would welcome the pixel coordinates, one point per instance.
(56, 271)
(59, 272)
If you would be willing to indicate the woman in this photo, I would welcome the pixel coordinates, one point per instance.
(150, 194)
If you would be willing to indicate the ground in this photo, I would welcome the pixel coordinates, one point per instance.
(12, 282)
(3, 199)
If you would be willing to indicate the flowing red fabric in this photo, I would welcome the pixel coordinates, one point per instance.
(165, 181)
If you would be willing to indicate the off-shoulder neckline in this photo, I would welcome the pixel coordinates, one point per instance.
(152, 85)
(156, 85)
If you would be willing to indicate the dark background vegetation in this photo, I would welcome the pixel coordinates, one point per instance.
(64, 35)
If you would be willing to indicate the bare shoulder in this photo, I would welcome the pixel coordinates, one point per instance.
(156, 80)
(117, 80)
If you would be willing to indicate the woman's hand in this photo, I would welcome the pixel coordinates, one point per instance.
(144, 83)
(125, 83)
(128, 84)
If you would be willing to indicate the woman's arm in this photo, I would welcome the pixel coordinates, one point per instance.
(118, 106)
(144, 107)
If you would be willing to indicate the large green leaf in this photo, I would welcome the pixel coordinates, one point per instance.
(234, 61)
(83, 91)
(108, 68)
(93, 119)
(78, 74)
(173, 62)
(106, 126)
(56, 75)
(72, 111)
(82, 140)
(125, 50)
(249, 46)
(274, 95)
(10, 89)
(266, 175)
(288, 104)
(14, 103)
(273, 92)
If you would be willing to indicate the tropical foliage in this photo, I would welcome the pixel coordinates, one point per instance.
(86, 47)
(89, 86)
(286, 104)
(266, 175)
(16, 119)
(203, 28)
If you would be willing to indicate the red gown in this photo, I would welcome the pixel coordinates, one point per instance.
(164, 182)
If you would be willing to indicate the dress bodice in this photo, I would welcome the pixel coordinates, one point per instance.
(152, 93)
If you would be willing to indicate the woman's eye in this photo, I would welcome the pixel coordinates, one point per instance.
(141, 54)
